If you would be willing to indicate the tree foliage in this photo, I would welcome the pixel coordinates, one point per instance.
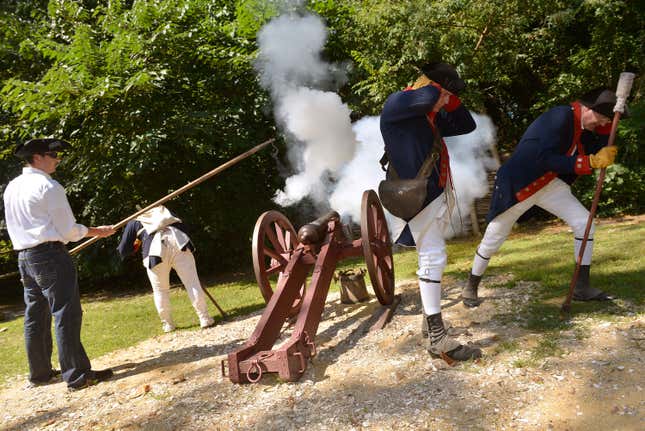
(518, 57)
(154, 93)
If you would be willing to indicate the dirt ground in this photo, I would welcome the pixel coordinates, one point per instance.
(591, 380)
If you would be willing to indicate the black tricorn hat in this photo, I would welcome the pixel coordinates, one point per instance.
(602, 100)
(40, 146)
(445, 75)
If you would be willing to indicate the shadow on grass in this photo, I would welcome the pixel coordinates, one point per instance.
(236, 312)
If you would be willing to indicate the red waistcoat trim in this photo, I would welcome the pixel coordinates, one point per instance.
(444, 159)
(444, 164)
(545, 179)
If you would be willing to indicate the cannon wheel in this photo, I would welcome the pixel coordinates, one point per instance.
(377, 247)
(274, 240)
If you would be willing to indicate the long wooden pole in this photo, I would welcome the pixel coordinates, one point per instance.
(566, 306)
(166, 198)
(179, 191)
(624, 87)
(224, 315)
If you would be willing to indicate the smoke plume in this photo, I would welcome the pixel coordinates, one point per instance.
(335, 161)
(316, 122)
(469, 163)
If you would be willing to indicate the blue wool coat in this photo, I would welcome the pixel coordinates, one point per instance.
(409, 137)
(130, 234)
(541, 149)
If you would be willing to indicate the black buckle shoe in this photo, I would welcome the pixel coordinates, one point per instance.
(445, 347)
(591, 294)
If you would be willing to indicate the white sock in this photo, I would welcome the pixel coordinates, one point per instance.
(586, 257)
(479, 264)
(430, 296)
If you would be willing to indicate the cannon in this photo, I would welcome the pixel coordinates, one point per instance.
(282, 261)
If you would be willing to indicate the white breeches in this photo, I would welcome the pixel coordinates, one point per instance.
(183, 263)
(428, 229)
(556, 198)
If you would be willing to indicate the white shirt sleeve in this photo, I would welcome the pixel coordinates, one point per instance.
(62, 216)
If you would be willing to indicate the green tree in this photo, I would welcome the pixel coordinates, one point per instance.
(152, 94)
(518, 58)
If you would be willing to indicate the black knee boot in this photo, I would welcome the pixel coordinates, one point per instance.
(440, 343)
(469, 292)
(584, 292)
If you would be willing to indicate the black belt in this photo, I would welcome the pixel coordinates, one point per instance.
(43, 246)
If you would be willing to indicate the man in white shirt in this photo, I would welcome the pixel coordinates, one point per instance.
(40, 222)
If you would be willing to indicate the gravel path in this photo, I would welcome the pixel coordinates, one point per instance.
(593, 380)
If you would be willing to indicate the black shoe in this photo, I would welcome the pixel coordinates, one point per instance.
(461, 353)
(445, 347)
(53, 375)
(103, 375)
(584, 292)
(99, 376)
(469, 293)
(592, 294)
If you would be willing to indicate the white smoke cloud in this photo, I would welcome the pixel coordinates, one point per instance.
(469, 162)
(361, 173)
(320, 120)
(335, 161)
(317, 125)
(289, 56)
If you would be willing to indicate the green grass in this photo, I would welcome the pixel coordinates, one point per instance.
(115, 323)
(524, 363)
(545, 257)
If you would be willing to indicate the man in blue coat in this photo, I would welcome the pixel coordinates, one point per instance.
(561, 144)
(412, 124)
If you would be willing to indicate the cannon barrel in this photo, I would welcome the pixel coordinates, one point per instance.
(314, 232)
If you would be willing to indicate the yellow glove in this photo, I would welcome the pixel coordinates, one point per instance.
(603, 158)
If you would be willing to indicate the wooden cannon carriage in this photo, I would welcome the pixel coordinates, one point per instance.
(280, 255)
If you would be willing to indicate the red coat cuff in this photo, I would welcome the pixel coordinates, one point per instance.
(582, 166)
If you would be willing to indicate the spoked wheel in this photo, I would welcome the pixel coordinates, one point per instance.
(274, 240)
(377, 247)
